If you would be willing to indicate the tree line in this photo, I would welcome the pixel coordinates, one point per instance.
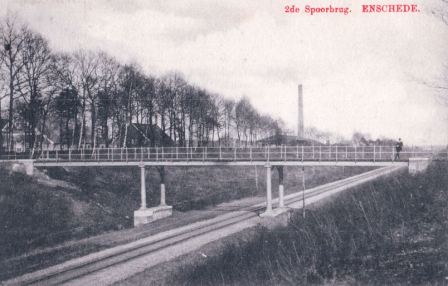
(88, 97)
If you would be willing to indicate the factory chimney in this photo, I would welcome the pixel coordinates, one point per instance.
(300, 132)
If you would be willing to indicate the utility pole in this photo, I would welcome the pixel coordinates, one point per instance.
(300, 131)
(303, 192)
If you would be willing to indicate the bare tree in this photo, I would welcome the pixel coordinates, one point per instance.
(130, 77)
(165, 98)
(65, 107)
(12, 39)
(86, 82)
(108, 69)
(243, 115)
(217, 115)
(171, 88)
(148, 99)
(66, 80)
(92, 90)
(3, 95)
(229, 108)
(37, 62)
(439, 10)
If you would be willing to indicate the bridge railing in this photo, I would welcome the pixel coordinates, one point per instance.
(267, 153)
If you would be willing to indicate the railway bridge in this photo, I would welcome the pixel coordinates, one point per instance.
(269, 157)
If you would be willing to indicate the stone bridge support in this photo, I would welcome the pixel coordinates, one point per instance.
(24, 166)
(143, 187)
(418, 165)
(146, 215)
(162, 186)
(281, 200)
(268, 211)
(29, 167)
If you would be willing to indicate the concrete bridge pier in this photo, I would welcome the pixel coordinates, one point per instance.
(162, 195)
(143, 215)
(281, 200)
(269, 212)
(162, 186)
(29, 167)
(24, 166)
(143, 187)
(163, 210)
(146, 215)
(418, 165)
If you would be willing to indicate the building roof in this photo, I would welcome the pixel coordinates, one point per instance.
(287, 140)
(143, 132)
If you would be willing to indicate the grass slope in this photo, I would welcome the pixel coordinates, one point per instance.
(34, 215)
(392, 231)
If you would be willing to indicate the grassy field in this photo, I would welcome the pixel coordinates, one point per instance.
(392, 231)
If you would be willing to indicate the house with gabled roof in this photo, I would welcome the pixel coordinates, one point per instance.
(141, 135)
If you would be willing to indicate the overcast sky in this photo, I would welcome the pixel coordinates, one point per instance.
(359, 72)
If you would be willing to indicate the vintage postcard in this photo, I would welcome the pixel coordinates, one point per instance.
(206, 142)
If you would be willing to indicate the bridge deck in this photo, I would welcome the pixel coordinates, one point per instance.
(323, 155)
(216, 163)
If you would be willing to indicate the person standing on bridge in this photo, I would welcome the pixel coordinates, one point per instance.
(398, 148)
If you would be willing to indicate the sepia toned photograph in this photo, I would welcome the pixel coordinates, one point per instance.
(207, 142)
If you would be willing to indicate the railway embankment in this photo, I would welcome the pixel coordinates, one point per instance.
(115, 264)
(391, 231)
(60, 214)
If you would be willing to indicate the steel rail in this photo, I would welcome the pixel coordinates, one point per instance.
(84, 269)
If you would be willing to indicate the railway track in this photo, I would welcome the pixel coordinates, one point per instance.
(78, 268)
